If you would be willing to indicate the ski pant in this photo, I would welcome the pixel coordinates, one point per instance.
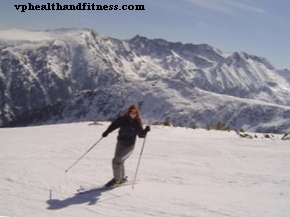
(122, 153)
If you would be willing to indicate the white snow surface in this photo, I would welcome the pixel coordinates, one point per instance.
(183, 172)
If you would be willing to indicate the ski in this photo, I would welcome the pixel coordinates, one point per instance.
(83, 190)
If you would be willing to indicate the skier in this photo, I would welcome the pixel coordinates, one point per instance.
(130, 125)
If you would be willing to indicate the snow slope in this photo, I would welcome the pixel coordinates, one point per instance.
(183, 172)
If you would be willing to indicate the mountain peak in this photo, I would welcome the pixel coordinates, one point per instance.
(81, 74)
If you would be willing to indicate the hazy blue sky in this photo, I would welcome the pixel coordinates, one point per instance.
(259, 27)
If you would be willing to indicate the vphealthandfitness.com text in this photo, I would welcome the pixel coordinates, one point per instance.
(79, 6)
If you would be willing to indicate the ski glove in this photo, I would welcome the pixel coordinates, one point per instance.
(105, 134)
(147, 129)
(144, 132)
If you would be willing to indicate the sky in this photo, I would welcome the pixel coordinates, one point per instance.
(256, 27)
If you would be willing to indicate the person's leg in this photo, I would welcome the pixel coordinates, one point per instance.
(122, 153)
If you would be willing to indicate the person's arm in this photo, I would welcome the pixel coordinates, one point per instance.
(113, 126)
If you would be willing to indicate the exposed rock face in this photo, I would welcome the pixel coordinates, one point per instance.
(79, 74)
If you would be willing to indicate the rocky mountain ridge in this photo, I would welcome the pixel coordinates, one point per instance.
(78, 74)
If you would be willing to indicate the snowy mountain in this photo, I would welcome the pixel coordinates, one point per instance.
(78, 74)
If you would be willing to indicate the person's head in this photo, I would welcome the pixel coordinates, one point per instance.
(133, 112)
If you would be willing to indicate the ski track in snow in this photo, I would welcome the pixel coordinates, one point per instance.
(183, 172)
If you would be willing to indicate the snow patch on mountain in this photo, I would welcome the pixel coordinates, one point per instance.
(80, 74)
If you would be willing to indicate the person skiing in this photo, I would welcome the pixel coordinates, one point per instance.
(130, 125)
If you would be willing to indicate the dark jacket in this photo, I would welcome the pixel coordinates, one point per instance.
(129, 129)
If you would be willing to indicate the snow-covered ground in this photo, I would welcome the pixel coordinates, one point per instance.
(183, 172)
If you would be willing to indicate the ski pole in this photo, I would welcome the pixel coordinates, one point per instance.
(83, 155)
(138, 163)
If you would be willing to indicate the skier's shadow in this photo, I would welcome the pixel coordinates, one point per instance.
(91, 198)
